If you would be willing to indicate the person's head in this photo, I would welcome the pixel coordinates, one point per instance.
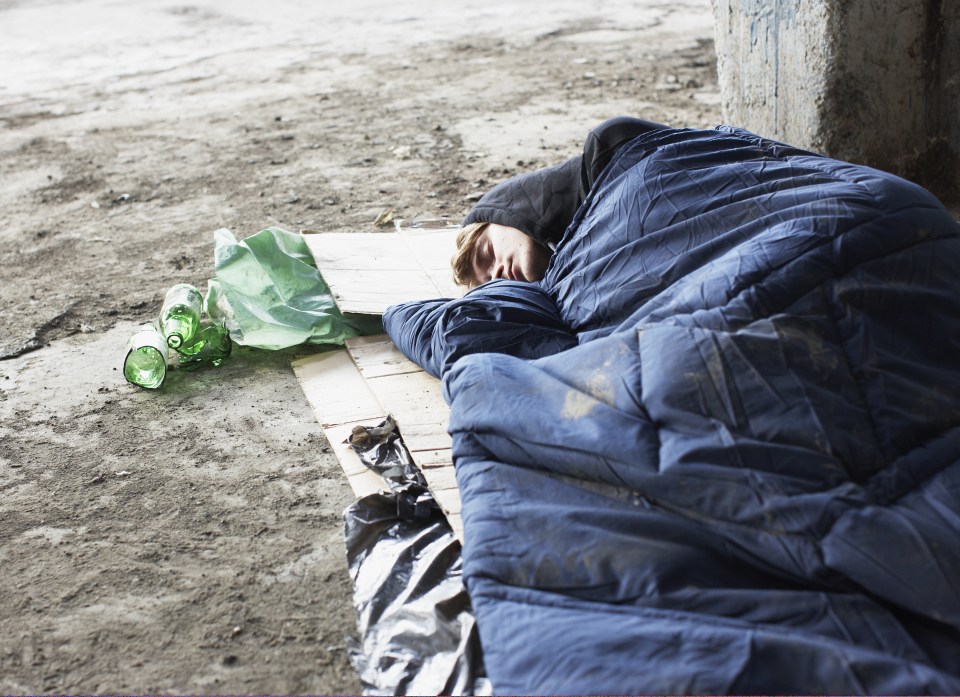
(486, 251)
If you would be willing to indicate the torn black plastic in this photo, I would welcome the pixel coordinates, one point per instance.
(418, 633)
(381, 449)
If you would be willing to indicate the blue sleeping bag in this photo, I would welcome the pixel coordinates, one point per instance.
(717, 448)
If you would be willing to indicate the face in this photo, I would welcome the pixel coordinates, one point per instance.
(505, 252)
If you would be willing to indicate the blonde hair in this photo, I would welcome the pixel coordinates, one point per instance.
(462, 261)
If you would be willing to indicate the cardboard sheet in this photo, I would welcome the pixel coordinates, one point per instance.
(368, 272)
(342, 397)
(370, 378)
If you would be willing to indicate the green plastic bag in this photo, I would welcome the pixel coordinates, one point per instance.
(270, 294)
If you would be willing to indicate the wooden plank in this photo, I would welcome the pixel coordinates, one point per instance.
(363, 481)
(425, 459)
(442, 478)
(417, 396)
(415, 401)
(449, 500)
(367, 273)
(426, 438)
(357, 250)
(456, 524)
(373, 282)
(413, 397)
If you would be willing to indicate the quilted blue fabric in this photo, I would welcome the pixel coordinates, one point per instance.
(728, 458)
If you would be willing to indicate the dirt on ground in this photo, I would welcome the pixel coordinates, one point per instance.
(189, 540)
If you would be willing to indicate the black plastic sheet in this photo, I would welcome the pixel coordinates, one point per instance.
(418, 633)
(381, 449)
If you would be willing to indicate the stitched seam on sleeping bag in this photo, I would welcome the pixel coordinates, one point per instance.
(859, 378)
(832, 168)
(501, 593)
(842, 338)
(823, 165)
(813, 536)
(878, 212)
(605, 174)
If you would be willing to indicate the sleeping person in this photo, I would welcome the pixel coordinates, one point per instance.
(710, 443)
(512, 229)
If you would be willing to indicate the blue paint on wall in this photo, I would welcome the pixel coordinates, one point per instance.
(770, 18)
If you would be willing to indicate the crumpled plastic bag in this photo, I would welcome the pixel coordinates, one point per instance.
(381, 449)
(418, 634)
(270, 293)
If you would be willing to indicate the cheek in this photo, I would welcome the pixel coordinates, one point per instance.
(535, 262)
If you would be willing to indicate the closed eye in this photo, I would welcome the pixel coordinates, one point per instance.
(483, 260)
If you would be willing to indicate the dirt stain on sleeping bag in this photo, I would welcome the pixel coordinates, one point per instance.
(597, 388)
(576, 405)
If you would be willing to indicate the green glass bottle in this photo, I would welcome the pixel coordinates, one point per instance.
(180, 314)
(211, 344)
(145, 364)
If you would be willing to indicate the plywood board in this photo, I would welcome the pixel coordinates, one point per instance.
(334, 389)
(368, 272)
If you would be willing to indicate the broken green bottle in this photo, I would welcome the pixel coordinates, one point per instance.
(210, 344)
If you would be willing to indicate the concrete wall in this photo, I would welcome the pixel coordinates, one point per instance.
(870, 81)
